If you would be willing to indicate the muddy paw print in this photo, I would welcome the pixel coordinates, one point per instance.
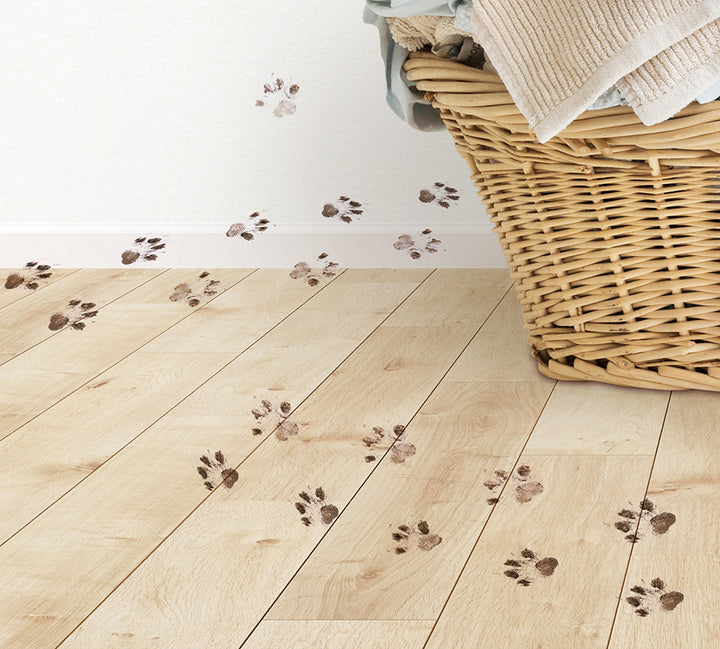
(214, 470)
(378, 441)
(345, 209)
(415, 249)
(494, 484)
(281, 95)
(193, 295)
(525, 486)
(526, 569)
(284, 428)
(143, 248)
(315, 508)
(644, 599)
(408, 535)
(312, 276)
(249, 229)
(440, 194)
(28, 276)
(73, 315)
(636, 524)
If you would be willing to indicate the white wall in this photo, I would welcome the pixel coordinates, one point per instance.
(121, 119)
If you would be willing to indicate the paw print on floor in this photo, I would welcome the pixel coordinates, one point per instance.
(73, 315)
(281, 95)
(28, 276)
(345, 209)
(312, 276)
(645, 599)
(526, 569)
(399, 450)
(214, 470)
(314, 508)
(415, 250)
(249, 229)
(406, 535)
(440, 194)
(284, 428)
(194, 295)
(635, 524)
(525, 486)
(143, 248)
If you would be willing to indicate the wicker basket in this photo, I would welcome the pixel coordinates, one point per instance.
(611, 229)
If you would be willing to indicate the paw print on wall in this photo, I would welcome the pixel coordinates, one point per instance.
(440, 194)
(143, 248)
(345, 209)
(250, 229)
(281, 95)
(29, 276)
(415, 250)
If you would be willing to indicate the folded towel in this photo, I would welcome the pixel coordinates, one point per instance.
(557, 56)
(415, 32)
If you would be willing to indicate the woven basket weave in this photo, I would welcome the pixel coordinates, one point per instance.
(611, 229)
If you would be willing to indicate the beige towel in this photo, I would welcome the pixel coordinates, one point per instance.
(557, 56)
(415, 32)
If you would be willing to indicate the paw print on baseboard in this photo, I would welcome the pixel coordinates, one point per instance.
(528, 567)
(440, 194)
(420, 532)
(73, 315)
(399, 450)
(144, 249)
(429, 244)
(29, 276)
(644, 599)
(636, 524)
(345, 209)
(249, 229)
(312, 276)
(214, 470)
(525, 486)
(284, 428)
(280, 95)
(194, 295)
(314, 508)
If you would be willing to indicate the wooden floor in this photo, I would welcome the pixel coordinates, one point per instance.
(370, 462)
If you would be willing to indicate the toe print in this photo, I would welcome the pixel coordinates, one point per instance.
(214, 470)
(73, 315)
(344, 209)
(249, 229)
(637, 523)
(379, 440)
(280, 96)
(315, 508)
(440, 194)
(29, 277)
(143, 249)
(284, 428)
(528, 567)
(312, 276)
(408, 536)
(427, 244)
(646, 599)
(193, 293)
(525, 486)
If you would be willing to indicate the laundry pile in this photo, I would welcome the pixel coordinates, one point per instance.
(559, 58)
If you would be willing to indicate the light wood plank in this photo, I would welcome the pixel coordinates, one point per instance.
(572, 521)
(38, 378)
(464, 433)
(345, 634)
(685, 483)
(10, 296)
(256, 524)
(27, 322)
(91, 539)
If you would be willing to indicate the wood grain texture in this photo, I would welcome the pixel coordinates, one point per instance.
(344, 634)
(256, 525)
(685, 483)
(21, 292)
(96, 535)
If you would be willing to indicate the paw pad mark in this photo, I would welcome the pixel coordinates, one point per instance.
(302, 270)
(426, 244)
(284, 428)
(314, 507)
(144, 249)
(637, 523)
(28, 276)
(420, 533)
(344, 209)
(440, 194)
(528, 567)
(214, 470)
(644, 599)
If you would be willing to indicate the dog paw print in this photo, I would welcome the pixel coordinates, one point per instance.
(428, 244)
(405, 535)
(143, 248)
(281, 95)
(28, 276)
(645, 599)
(193, 295)
(440, 194)
(526, 569)
(312, 276)
(249, 229)
(73, 315)
(344, 209)
(314, 507)
(284, 428)
(399, 449)
(525, 486)
(635, 524)
(214, 470)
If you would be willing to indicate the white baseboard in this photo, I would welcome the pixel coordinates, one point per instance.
(283, 246)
